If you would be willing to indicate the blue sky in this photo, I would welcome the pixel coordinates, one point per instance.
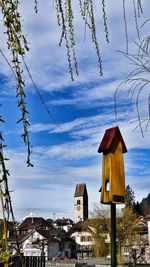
(65, 155)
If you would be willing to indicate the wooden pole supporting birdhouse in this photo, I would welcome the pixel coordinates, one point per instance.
(113, 178)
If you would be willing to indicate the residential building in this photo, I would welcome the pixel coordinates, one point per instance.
(53, 243)
(137, 250)
(33, 223)
(83, 239)
(64, 223)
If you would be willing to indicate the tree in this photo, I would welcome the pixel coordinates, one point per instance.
(101, 232)
(125, 226)
(129, 198)
(99, 224)
(130, 201)
(140, 254)
(137, 208)
(18, 47)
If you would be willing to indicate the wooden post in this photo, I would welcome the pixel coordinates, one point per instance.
(113, 235)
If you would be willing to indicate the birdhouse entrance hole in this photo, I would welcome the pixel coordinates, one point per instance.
(107, 185)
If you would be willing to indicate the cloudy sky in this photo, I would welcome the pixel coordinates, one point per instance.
(65, 153)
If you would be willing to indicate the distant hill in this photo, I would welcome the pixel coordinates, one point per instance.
(145, 205)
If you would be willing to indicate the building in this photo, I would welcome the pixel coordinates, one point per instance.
(80, 203)
(138, 249)
(33, 223)
(82, 235)
(64, 223)
(51, 243)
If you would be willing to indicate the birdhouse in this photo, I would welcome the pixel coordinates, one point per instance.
(113, 177)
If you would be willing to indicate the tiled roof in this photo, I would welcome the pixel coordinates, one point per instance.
(78, 227)
(50, 221)
(80, 190)
(64, 221)
(33, 222)
(47, 234)
(22, 237)
(58, 232)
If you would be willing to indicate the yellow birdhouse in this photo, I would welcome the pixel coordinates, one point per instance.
(113, 177)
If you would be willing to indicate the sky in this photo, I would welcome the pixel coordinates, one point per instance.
(64, 149)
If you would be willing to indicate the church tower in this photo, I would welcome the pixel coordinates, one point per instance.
(81, 203)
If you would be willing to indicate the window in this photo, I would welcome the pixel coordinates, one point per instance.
(82, 238)
(85, 238)
(78, 202)
(89, 238)
(125, 249)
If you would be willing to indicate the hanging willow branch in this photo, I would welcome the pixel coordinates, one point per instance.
(138, 80)
(125, 25)
(65, 21)
(94, 37)
(36, 6)
(87, 14)
(64, 14)
(70, 30)
(18, 45)
(139, 7)
(136, 20)
(84, 12)
(105, 21)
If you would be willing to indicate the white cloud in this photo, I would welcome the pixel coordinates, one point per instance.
(42, 189)
(49, 186)
(39, 127)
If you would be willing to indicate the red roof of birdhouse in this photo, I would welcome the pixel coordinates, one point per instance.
(110, 141)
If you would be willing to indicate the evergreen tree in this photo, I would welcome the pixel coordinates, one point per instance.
(137, 208)
(129, 198)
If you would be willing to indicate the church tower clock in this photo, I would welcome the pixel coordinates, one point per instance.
(81, 203)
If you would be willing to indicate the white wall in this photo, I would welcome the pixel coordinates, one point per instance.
(78, 236)
(30, 249)
(78, 212)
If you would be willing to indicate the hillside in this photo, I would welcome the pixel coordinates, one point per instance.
(145, 205)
